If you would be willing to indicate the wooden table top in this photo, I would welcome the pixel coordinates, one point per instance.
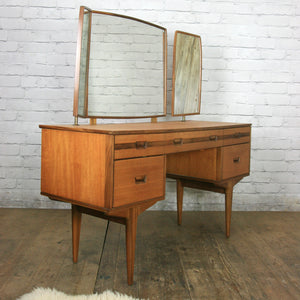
(138, 128)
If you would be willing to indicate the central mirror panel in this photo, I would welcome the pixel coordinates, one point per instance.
(122, 67)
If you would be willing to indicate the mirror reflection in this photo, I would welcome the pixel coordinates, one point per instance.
(187, 71)
(122, 67)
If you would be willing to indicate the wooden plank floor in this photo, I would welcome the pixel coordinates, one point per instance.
(261, 259)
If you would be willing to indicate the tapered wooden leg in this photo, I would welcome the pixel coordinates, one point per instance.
(131, 226)
(76, 224)
(228, 207)
(179, 200)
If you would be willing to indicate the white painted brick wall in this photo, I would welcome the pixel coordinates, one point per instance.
(251, 63)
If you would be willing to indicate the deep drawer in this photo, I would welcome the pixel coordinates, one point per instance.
(139, 179)
(236, 160)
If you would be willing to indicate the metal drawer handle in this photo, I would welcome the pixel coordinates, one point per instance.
(213, 138)
(237, 135)
(140, 179)
(141, 145)
(236, 159)
(177, 141)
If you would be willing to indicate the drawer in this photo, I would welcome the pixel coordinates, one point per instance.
(235, 160)
(201, 164)
(127, 146)
(214, 164)
(139, 179)
(238, 135)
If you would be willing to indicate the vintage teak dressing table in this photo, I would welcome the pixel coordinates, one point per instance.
(116, 171)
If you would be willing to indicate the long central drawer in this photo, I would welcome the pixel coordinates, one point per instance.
(138, 145)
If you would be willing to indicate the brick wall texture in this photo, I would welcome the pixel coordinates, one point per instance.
(251, 63)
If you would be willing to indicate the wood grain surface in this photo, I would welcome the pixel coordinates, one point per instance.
(77, 166)
(137, 128)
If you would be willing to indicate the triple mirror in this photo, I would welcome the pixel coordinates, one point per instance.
(121, 68)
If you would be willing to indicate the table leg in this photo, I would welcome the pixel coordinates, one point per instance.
(179, 200)
(131, 226)
(126, 216)
(228, 207)
(76, 224)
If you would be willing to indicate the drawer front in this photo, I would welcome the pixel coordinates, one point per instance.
(127, 146)
(139, 179)
(237, 136)
(235, 160)
(201, 164)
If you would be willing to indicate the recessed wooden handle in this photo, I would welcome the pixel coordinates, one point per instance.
(177, 141)
(236, 159)
(141, 145)
(213, 138)
(237, 135)
(140, 179)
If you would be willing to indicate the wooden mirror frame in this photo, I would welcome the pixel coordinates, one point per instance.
(82, 11)
(174, 74)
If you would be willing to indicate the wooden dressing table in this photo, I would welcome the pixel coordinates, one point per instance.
(116, 171)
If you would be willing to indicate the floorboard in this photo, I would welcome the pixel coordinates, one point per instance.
(36, 251)
(261, 259)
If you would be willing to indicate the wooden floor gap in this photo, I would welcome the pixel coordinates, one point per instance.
(102, 251)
